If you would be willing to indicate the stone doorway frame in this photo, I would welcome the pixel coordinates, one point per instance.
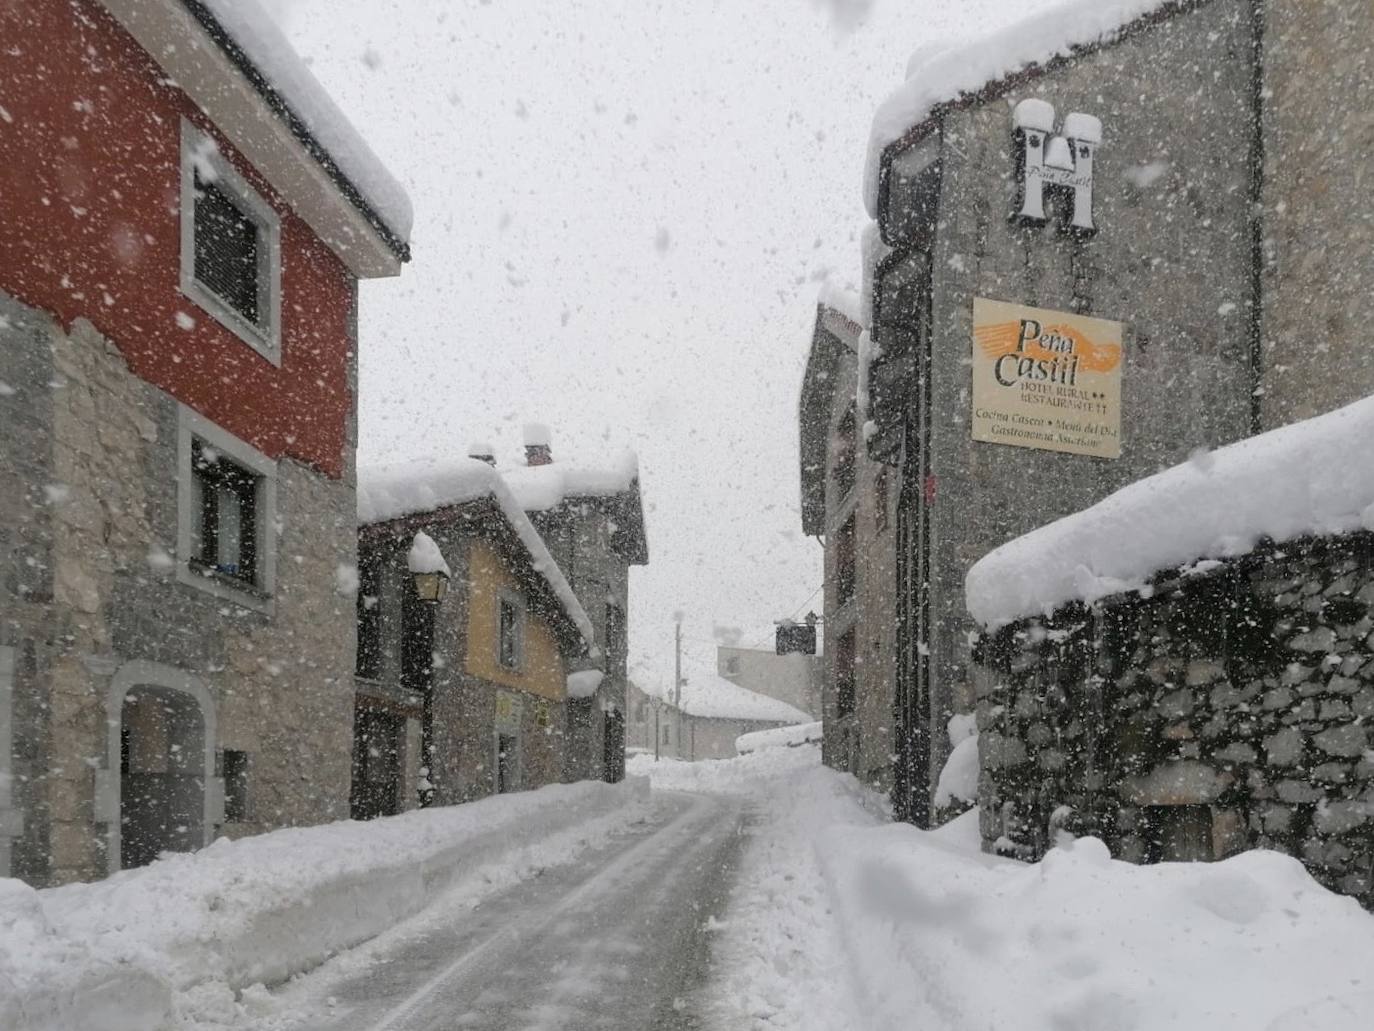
(141, 673)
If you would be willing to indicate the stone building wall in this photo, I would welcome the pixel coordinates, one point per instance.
(1230, 707)
(578, 535)
(1171, 259)
(90, 595)
(1318, 240)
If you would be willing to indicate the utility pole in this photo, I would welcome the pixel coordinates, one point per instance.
(677, 682)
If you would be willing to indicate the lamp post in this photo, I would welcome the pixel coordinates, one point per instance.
(429, 574)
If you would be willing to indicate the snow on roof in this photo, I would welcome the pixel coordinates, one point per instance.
(256, 34)
(390, 492)
(710, 696)
(940, 72)
(539, 488)
(1290, 482)
(780, 737)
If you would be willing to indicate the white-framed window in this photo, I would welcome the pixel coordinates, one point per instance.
(226, 514)
(510, 631)
(230, 246)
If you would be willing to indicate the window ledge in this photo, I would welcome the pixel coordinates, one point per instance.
(227, 588)
(263, 341)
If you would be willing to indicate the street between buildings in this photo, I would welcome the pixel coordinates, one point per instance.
(618, 938)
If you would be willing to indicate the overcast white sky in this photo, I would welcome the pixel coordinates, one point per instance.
(624, 211)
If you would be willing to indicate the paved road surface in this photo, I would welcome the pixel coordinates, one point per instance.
(618, 939)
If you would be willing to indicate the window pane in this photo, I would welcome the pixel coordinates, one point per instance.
(229, 542)
(226, 250)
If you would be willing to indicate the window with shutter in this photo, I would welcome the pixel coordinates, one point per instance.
(226, 250)
(230, 246)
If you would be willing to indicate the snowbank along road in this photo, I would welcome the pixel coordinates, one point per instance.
(618, 938)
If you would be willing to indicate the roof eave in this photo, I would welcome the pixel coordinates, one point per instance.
(186, 41)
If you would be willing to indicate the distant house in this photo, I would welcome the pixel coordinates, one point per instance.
(467, 635)
(592, 520)
(186, 218)
(703, 721)
(794, 677)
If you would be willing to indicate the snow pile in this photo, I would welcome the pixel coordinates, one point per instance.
(260, 909)
(539, 488)
(425, 557)
(1287, 483)
(841, 919)
(264, 44)
(583, 684)
(390, 492)
(713, 697)
(938, 73)
(781, 737)
(959, 776)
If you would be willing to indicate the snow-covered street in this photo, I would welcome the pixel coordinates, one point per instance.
(618, 938)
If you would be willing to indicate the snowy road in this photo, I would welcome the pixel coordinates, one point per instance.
(618, 938)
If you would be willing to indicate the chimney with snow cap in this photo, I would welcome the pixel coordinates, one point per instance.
(538, 446)
(482, 451)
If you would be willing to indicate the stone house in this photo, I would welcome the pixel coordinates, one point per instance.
(462, 692)
(848, 502)
(1142, 187)
(704, 719)
(790, 676)
(591, 517)
(186, 219)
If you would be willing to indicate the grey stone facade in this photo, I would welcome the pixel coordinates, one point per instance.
(1318, 230)
(1169, 256)
(595, 540)
(1225, 709)
(104, 625)
(850, 502)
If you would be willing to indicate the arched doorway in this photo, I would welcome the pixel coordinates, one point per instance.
(165, 795)
(161, 775)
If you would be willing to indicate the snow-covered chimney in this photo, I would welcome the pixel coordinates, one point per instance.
(538, 446)
(482, 451)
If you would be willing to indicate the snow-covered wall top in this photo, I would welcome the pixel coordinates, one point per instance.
(940, 72)
(264, 44)
(539, 488)
(713, 697)
(1307, 478)
(390, 492)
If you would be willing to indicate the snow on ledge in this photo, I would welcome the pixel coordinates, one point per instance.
(390, 492)
(781, 737)
(1307, 478)
(938, 73)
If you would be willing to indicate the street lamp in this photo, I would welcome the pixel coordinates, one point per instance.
(430, 575)
(431, 586)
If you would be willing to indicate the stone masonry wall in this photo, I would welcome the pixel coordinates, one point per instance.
(1170, 259)
(1243, 689)
(88, 529)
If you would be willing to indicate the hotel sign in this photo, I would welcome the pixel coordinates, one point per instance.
(1046, 379)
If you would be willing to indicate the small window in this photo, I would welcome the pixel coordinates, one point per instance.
(235, 786)
(665, 734)
(369, 609)
(509, 643)
(507, 763)
(844, 675)
(230, 246)
(226, 514)
(226, 502)
(732, 666)
(880, 500)
(844, 562)
(842, 467)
